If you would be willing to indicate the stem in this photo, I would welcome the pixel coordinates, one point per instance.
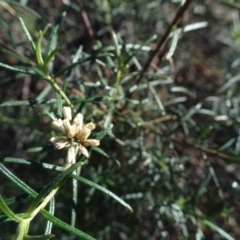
(118, 76)
(44, 203)
(61, 92)
(177, 19)
(75, 197)
(23, 228)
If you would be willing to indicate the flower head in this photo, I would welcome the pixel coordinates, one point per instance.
(75, 134)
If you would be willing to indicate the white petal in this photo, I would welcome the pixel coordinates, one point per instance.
(56, 139)
(83, 134)
(59, 142)
(71, 156)
(69, 130)
(91, 142)
(58, 123)
(83, 150)
(67, 113)
(78, 121)
(90, 126)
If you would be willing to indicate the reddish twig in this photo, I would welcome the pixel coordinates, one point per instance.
(208, 151)
(91, 34)
(160, 45)
(87, 22)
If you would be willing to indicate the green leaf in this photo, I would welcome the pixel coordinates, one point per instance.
(104, 190)
(231, 83)
(20, 58)
(46, 214)
(39, 237)
(56, 182)
(39, 72)
(104, 132)
(183, 90)
(100, 151)
(16, 160)
(217, 229)
(50, 57)
(173, 43)
(48, 228)
(17, 181)
(27, 34)
(38, 51)
(28, 162)
(27, 103)
(204, 133)
(91, 58)
(136, 48)
(5, 209)
(117, 46)
(68, 73)
(23, 7)
(35, 149)
(15, 69)
(53, 36)
(65, 226)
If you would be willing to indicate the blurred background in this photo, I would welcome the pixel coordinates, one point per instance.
(173, 153)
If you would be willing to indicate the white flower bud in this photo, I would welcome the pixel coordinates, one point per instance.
(67, 113)
(83, 150)
(71, 156)
(58, 123)
(91, 142)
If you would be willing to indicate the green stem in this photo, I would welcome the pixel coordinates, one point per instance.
(60, 91)
(118, 76)
(23, 228)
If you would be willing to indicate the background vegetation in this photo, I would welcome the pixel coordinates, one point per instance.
(173, 150)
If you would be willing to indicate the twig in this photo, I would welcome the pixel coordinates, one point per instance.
(87, 22)
(91, 34)
(160, 45)
(208, 151)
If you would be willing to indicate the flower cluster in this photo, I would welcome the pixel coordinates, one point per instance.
(75, 134)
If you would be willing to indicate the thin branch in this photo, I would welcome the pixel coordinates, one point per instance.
(87, 22)
(208, 151)
(161, 44)
(91, 34)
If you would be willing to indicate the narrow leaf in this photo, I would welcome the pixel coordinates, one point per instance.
(65, 226)
(16, 160)
(50, 57)
(27, 9)
(56, 182)
(15, 69)
(173, 44)
(39, 237)
(17, 181)
(35, 149)
(27, 102)
(48, 229)
(46, 214)
(217, 229)
(5, 209)
(27, 34)
(92, 58)
(38, 51)
(103, 133)
(104, 190)
(53, 36)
